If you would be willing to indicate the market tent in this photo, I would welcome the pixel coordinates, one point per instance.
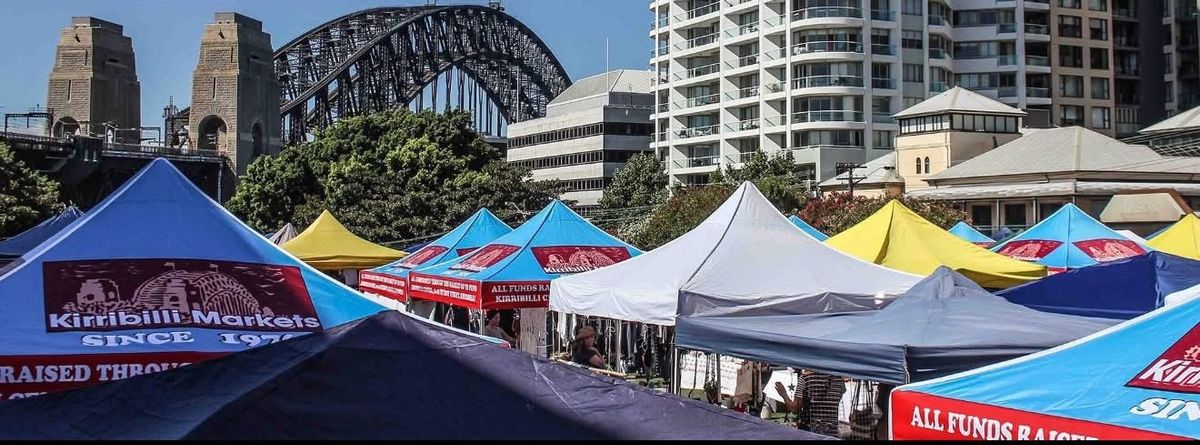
(390, 280)
(327, 245)
(1068, 239)
(970, 235)
(27, 240)
(944, 324)
(155, 276)
(390, 376)
(745, 253)
(1181, 238)
(514, 271)
(1120, 289)
(899, 238)
(1129, 235)
(808, 228)
(284, 234)
(1134, 380)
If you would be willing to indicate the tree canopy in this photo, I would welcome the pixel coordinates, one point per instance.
(387, 176)
(834, 212)
(26, 196)
(642, 182)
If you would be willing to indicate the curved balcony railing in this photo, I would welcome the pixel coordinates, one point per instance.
(937, 53)
(887, 16)
(937, 20)
(828, 81)
(822, 12)
(938, 87)
(744, 125)
(882, 117)
(691, 132)
(829, 46)
(827, 116)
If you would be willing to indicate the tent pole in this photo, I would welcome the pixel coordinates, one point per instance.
(719, 370)
(674, 385)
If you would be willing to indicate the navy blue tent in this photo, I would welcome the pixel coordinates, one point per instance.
(1120, 289)
(390, 376)
(27, 240)
(945, 324)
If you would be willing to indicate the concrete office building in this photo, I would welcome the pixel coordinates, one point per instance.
(822, 78)
(587, 135)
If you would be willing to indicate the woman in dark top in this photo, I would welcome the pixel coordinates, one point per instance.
(585, 352)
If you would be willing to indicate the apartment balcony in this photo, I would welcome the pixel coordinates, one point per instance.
(845, 50)
(882, 117)
(846, 81)
(1006, 92)
(733, 6)
(773, 122)
(773, 88)
(883, 16)
(741, 62)
(744, 125)
(1037, 64)
(804, 117)
(828, 15)
(812, 154)
(879, 83)
(662, 136)
(1037, 5)
(1006, 28)
(695, 44)
(883, 50)
(697, 13)
(1125, 13)
(699, 101)
(1036, 29)
(772, 25)
(694, 132)
(699, 71)
(937, 20)
(697, 161)
(743, 93)
(1006, 60)
(741, 157)
(937, 53)
(749, 29)
(938, 87)
(1131, 71)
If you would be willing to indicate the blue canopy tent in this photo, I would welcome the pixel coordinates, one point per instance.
(391, 376)
(27, 240)
(1135, 380)
(944, 324)
(514, 271)
(966, 232)
(390, 280)
(808, 228)
(1069, 239)
(154, 277)
(1121, 289)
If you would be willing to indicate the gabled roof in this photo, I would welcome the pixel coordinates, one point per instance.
(961, 100)
(1184, 119)
(899, 238)
(881, 170)
(1067, 149)
(615, 81)
(514, 270)
(27, 240)
(159, 246)
(746, 252)
(327, 244)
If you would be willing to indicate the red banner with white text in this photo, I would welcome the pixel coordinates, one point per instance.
(33, 375)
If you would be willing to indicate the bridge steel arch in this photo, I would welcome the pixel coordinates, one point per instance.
(381, 58)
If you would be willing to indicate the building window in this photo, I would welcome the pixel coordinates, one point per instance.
(912, 7)
(1073, 4)
(881, 139)
(1072, 115)
(914, 72)
(1099, 58)
(1168, 63)
(1070, 26)
(1098, 29)
(983, 17)
(1101, 117)
(975, 50)
(1098, 5)
(1070, 56)
(1169, 90)
(927, 165)
(1070, 86)
(1100, 88)
(1014, 216)
(911, 39)
(918, 165)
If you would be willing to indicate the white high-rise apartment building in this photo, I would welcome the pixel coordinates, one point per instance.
(821, 78)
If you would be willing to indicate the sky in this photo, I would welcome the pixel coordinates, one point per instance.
(166, 37)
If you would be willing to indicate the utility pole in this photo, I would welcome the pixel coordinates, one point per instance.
(848, 168)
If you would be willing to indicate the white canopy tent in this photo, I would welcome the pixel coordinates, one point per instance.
(745, 255)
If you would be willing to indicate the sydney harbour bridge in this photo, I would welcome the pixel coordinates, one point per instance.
(470, 57)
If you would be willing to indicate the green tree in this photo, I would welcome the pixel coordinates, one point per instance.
(26, 196)
(388, 176)
(835, 212)
(777, 177)
(642, 182)
(682, 212)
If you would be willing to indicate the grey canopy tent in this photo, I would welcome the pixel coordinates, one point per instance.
(944, 324)
(284, 234)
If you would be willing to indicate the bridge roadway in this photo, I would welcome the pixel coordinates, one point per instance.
(89, 168)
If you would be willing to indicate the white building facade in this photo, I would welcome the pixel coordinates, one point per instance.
(587, 135)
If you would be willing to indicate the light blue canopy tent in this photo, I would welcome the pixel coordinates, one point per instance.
(1069, 239)
(966, 232)
(808, 228)
(27, 240)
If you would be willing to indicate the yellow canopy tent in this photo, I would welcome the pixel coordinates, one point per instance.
(1181, 239)
(899, 238)
(327, 245)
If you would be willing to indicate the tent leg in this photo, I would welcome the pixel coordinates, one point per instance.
(674, 386)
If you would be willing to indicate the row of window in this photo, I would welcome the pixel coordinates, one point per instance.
(1072, 26)
(1073, 115)
(587, 157)
(960, 122)
(583, 131)
(583, 185)
(1093, 5)
(926, 162)
(1072, 86)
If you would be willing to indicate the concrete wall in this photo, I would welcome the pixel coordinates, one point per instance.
(944, 149)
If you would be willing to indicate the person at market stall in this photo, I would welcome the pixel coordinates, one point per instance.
(584, 351)
(815, 401)
(493, 329)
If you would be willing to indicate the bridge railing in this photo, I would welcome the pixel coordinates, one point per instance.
(156, 150)
(37, 139)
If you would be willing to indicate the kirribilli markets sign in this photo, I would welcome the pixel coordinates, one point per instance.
(172, 304)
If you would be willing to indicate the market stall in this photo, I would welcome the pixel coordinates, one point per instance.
(1068, 239)
(27, 240)
(971, 235)
(1181, 238)
(327, 245)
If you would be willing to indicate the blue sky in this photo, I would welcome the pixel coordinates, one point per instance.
(166, 37)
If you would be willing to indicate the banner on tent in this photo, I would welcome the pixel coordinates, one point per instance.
(486, 257)
(1104, 250)
(1177, 369)
(28, 376)
(575, 259)
(1029, 250)
(116, 295)
(476, 295)
(384, 285)
(917, 416)
(463, 251)
(693, 369)
(421, 256)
